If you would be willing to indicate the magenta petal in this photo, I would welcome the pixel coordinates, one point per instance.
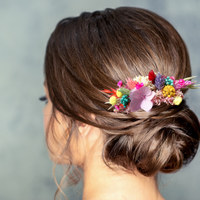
(139, 85)
(116, 107)
(146, 105)
(120, 83)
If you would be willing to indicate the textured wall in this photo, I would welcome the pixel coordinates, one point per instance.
(26, 171)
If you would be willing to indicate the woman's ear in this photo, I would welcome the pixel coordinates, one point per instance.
(84, 129)
(89, 133)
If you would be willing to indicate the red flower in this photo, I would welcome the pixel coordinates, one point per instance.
(152, 76)
(113, 92)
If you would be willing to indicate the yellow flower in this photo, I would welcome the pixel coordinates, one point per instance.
(168, 91)
(119, 94)
(177, 100)
(113, 100)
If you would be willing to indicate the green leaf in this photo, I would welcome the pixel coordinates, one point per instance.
(124, 91)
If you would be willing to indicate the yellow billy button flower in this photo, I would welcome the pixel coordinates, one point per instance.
(168, 91)
(119, 94)
(177, 100)
(113, 100)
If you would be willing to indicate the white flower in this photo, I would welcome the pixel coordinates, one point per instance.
(143, 79)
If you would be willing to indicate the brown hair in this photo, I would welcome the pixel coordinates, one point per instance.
(92, 52)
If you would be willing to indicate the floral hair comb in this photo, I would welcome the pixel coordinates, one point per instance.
(143, 92)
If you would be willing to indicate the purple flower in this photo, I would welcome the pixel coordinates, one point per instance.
(141, 99)
(159, 81)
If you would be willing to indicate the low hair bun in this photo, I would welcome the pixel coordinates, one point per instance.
(162, 142)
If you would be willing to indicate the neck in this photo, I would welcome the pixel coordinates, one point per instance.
(101, 182)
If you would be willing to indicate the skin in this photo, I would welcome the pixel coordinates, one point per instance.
(100, 182)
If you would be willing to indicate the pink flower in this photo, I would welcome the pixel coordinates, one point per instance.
(120, 83)
(139, 85)
(168, 100)
(182, 84)
(141, 99)
(172, 77)
(179, 84)
(116, 107)
(157, 100)
(131, 83)
(189, 83)
(179, 93)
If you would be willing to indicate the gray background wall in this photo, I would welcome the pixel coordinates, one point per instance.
(25, 26)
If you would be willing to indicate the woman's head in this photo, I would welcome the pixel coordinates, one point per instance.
(92, 52)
